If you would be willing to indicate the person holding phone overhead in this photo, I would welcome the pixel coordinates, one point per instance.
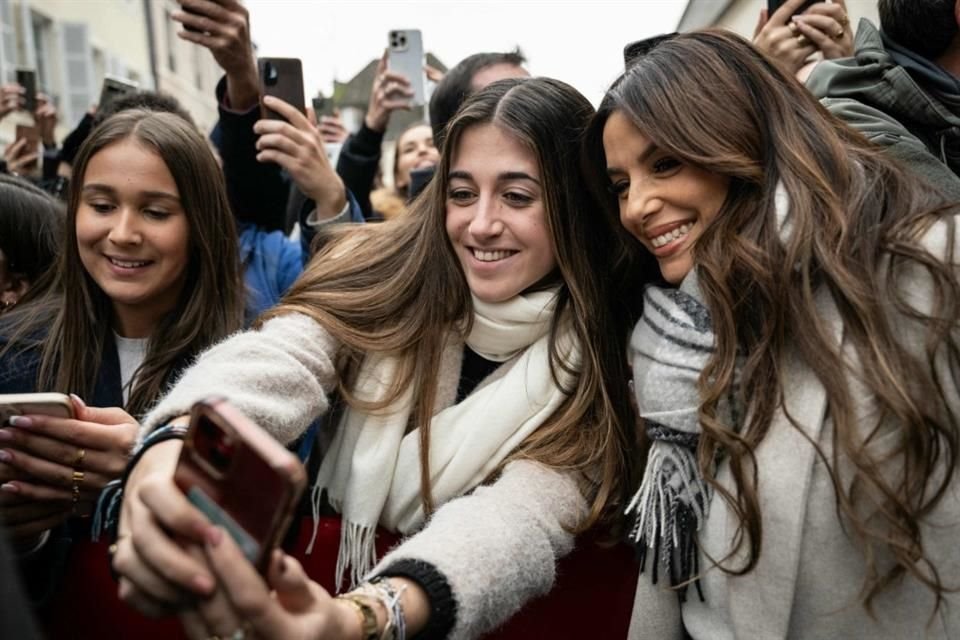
(262, 157)
(497, 291)
(147, 278)
(797, 363)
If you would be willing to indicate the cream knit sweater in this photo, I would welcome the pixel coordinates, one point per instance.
(497, 547)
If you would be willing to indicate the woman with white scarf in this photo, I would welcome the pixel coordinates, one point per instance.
(476, 351)
(796, 365)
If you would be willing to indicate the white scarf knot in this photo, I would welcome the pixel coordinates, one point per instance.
(372, 469)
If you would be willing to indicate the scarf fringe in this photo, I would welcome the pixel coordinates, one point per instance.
(671, 506)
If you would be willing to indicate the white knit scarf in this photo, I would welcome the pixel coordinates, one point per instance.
(372, 469)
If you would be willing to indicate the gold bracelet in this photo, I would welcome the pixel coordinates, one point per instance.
(368, 617)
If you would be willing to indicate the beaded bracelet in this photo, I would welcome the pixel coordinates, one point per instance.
(383, 590)
(107, 514)
(368, 618)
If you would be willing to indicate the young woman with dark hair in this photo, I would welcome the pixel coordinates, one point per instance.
(147, 276)
(484, 417)
(797, 362)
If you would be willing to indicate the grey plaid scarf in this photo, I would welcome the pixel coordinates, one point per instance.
(669, 348)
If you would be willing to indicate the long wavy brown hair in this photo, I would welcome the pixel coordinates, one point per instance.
(70, 318)
(712, 100)
(398, 288)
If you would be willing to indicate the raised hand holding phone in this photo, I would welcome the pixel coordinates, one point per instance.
(223, 27)
(296, 145)
(391, 91)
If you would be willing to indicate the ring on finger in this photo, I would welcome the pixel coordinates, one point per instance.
(839, 34)
(78, 461)
(801, 39)
(844, 20)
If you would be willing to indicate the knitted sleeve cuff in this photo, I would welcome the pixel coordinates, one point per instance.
(443, 605)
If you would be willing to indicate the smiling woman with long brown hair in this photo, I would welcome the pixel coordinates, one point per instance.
(797, 362)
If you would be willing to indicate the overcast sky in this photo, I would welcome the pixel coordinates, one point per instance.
(576, 41)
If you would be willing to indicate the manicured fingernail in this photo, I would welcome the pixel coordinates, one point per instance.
(203, 583)
(5, 435)
(21, 421)
(214, 536)
(78, 400)
(5, 456)
(9, 487)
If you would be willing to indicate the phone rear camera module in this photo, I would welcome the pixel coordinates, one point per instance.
(214, 445)
(271, 75)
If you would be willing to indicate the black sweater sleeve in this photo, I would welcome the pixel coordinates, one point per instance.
(257, 191)
(357, 165)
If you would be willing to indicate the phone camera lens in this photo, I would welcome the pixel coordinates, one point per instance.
(403, 40)
(271, 74)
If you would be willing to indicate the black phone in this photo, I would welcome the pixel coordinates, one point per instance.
(281, 78)
(773, 5)
(27, 78)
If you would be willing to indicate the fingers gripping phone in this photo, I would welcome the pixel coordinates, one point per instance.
(323, 107)
(281, 78)
(240, 477)
(405, 56)
(27, 78)
(25, 404)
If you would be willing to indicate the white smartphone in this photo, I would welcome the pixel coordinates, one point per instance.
(405, 56)
(46, 404)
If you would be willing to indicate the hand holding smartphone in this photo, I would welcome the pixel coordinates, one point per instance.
(281, 78)
(405, 56)
(240, 477)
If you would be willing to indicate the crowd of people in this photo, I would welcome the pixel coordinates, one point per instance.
(683, 366)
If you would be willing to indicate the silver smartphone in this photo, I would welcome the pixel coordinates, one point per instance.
(405, 56)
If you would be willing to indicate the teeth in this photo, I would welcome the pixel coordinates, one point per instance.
(670, 236)
(491, 256)
(127, 265)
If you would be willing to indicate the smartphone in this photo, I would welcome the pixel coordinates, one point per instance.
(27, 78)
(25, 404)
(240, 477)
(405, 56)
(323, 107)
(281, 78)
(32, 136)
(114, 87)
(773, 5)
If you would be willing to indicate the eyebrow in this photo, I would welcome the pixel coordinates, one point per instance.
(156, 195)
(506, 176)
(643, 157)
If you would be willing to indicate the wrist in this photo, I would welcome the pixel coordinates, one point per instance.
(243, 89)
(329, 203)
(375, 123)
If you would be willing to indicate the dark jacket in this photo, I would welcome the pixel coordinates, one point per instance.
(899, 100)
(357, 166)
(18, 374)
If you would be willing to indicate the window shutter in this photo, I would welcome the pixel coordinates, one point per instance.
(77, 66)
(8, 43)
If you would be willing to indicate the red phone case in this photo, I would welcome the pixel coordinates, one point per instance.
(240, 477)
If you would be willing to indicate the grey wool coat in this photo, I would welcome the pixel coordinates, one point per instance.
(808, 578)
